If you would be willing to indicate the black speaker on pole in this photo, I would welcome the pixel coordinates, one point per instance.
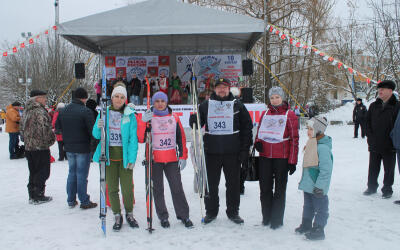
(247, 66)
(247, 95)
(79, 70)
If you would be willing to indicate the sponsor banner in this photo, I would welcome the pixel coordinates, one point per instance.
(139, 65)
(205, 66)
(184, 111)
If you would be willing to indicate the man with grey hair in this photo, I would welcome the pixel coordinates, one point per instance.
(38, 137)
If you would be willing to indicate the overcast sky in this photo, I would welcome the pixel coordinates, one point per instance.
(37, 15)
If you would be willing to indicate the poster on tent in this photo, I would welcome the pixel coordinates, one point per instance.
(205, 66)
(139, 65)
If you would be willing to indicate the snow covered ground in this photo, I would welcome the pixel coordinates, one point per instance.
(356, 221)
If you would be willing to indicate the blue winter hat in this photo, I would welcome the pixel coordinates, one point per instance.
(159, 95)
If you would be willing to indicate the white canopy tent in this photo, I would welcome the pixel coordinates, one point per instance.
(166, 27)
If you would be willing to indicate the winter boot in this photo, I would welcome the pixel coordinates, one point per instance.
(397, 202)
(118, 222)
(39, 196)
(208, 218)
(387, 195)
(165, 223)
(73, 204)
(316, 233)
(275, 226)
(265, 222)
(131, 220)
(31, 194)
(369, 192)
(187, 222)
(236, 219)
(305, 226)
(88, 205)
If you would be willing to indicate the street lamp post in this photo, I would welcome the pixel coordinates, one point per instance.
(28, 81)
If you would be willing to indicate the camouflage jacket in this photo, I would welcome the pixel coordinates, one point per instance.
(36, 127)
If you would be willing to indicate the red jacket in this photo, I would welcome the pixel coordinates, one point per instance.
(164, 156)
(287, 149)
(53, 123)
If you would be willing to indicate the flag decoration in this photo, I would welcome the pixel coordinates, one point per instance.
(24, 45)
(274, 30)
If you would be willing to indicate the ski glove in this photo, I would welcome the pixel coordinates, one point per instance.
(319, 193)
(259, 147)
(147, 116)
(100, 123)
(182, 164)
(193, 120)
(291, 169)
(130, 166)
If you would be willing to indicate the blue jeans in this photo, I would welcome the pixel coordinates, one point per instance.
(135, 99)
(79, 164)
(316, 207)
(12, 145)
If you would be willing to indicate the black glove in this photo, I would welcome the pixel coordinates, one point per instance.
(291, 168)
(259, 147)
(244, 158)
(193, 120)
(319, 193)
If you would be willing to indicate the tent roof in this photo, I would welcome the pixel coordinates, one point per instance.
(162, 27)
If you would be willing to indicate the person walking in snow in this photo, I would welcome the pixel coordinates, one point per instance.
(75, 122)
(12, 128)
(227, 141)
(38, 137)
(315, 180)
(169, 158)
(359, 118)
(121, 152)
(277, 141)
(381, 117)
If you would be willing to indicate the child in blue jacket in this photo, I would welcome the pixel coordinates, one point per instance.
(317, 171)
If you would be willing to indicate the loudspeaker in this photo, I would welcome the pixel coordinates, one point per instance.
(247, 66)
(247, 95)
(79, 70)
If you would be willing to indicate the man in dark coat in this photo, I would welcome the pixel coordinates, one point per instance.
(135, 86)
(359, 117)
(227, 141)
(76, 122)
(381, 117)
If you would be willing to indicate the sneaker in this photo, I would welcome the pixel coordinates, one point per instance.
(369, 192)
(73, 204)
(386, 195)
(118, 222)
(316, 233)
(208, 218)
(165, 223)
(397, 202)
(188, 223)
(131, 220)
(89, 205)
(236, 219)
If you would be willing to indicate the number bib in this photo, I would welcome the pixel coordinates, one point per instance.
(220, 117)
(115, 128)
(163, 132)
(272, 128)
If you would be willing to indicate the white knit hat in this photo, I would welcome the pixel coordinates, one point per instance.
(60, 105)
(276, 90)
(119, 90)
(318, 124)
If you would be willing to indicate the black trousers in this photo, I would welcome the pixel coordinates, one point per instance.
(363, 128)
(273, 171)
(39, 170)
(389, 162)
(61, 153)
(230, 164)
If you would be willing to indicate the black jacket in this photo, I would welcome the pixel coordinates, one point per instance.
(359, 113)
(136, 85)
(380, 121)
(76, 123)
(228, 144)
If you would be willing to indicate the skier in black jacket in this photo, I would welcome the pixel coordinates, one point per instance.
(359, 118)
(381, 117)
(226, 144)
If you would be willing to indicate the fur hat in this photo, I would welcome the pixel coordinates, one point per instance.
(276, 90)
(387, 84)
(119, 90)
(37, 92)
(318, 124)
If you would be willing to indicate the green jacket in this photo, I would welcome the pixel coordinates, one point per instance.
(319, 176)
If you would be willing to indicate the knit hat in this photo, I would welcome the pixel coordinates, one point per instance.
(318, 124)
(80, 93)
(223, 81)
(159, 95)
(387, 84)
(60, 105)
(276, 90)
(119, 90)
